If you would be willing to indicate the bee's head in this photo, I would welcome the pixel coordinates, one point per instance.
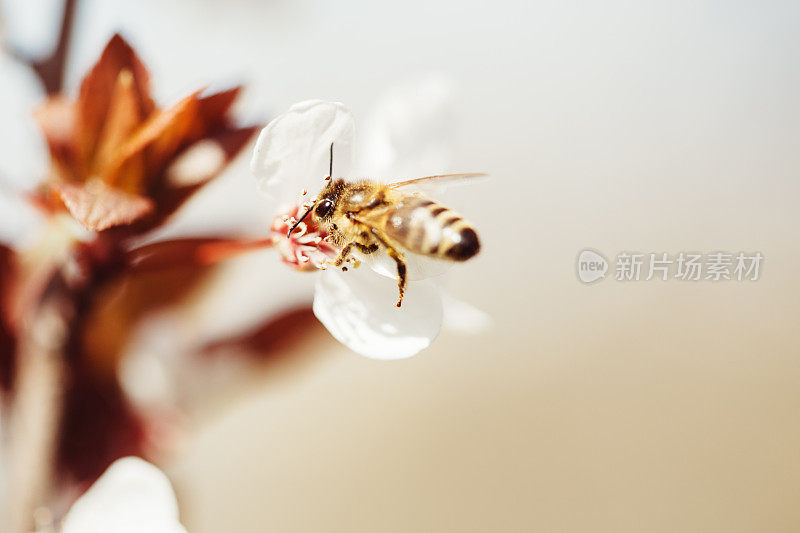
(325, 205)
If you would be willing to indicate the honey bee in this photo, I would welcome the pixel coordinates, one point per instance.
(369, 216)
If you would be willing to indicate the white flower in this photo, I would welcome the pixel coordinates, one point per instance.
(357, 307)
(292, 157)
(24, 159)
(130, 497)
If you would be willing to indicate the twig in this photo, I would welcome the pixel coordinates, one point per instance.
(35, 413)
(51, 69)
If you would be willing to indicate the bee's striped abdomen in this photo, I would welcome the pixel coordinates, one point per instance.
(425, 227)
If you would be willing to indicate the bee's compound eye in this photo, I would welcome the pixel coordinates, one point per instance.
(323, 208)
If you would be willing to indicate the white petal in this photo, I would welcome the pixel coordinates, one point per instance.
(409, 133)
(292, 152)
(25, 159)
(32, 26)
(130, 497)
(358, 309)
(463, 317)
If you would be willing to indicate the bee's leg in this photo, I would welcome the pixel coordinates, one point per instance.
(376, 234)
(342, 257)
(367, 248)
(401, 264)
(401, 272)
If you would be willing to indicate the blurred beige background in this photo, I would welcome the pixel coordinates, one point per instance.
(641, 406)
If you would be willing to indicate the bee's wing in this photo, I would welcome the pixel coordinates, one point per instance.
(438, 182)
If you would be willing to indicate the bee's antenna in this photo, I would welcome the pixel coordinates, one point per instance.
(330, 168)
(330, 174)
(299, 221)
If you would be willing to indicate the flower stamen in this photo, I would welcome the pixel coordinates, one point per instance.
(307, 248)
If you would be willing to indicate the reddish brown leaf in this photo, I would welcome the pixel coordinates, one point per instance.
(154, 276)
(8, 277)
(207, 120)
(168, 254)
(160, 130)
(214, 107)
(56, 118)
(8, 362)
(214, 252)
(180, 132)
(273, 338)
(233, 140)
(97, 89)
(123, 118)
(171, 198)
(98, 206)
(119, 305)
(189, 252)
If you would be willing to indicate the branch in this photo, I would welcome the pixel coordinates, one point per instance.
(35, 414)
(51, 69)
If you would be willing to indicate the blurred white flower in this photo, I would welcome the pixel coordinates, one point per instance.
(130, 497)
(24, 159)
(292, 158)
(409, 132)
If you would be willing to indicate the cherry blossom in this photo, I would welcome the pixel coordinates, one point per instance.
(292, 157)
(131, 496)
